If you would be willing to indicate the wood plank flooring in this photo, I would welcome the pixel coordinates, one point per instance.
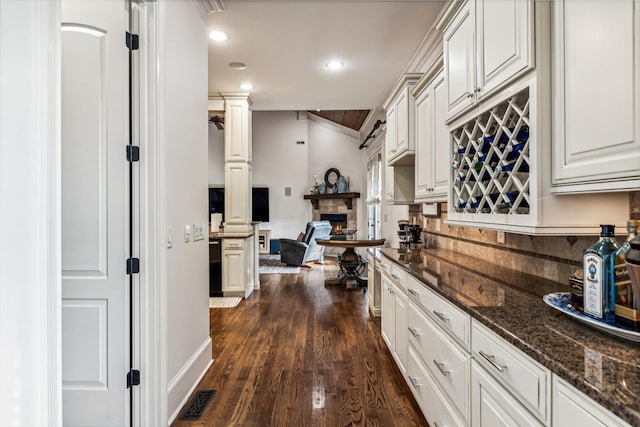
(299, 353)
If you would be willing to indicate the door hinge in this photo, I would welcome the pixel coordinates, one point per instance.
(133, 265)
(133, 378)
(133, 153)
(133, 42)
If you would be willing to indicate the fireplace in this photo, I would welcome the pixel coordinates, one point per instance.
(338, 222)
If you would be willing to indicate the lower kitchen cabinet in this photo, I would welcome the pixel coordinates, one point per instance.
(447, 363)
(373, 285)
(435, 407)
(394, 319)
(237, 268)
(522, 376)
(493, 405)
(462, 373)
(388, 321)
(571, 407)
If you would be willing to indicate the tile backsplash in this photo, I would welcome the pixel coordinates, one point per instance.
(551, 257)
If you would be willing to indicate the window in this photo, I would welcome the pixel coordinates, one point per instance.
(374, 194)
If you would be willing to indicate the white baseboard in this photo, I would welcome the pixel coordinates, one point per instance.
(186, 380)
(375, 311)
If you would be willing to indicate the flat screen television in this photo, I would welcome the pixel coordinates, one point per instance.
(260, 198)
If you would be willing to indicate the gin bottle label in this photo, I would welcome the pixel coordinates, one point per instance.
(593, 281)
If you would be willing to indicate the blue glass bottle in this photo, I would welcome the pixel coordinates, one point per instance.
(599, 289)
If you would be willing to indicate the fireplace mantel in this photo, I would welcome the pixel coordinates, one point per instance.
(347, 197)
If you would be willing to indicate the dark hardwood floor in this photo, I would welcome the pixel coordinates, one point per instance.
(299, 353)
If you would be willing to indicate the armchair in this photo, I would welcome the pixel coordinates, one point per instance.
(296, 252)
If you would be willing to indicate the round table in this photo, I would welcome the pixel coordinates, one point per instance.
(349, 260)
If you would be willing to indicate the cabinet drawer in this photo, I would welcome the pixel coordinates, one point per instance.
(514, 369)
(394, 272)
(449, 317)
(233, 243)
(448, 365)
(434, 405)
(494, 406)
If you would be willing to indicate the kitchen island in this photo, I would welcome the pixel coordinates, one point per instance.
(509, 303)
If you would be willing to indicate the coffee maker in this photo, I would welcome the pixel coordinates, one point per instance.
(409, 235)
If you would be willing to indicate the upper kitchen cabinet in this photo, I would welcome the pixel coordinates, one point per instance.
(400, 108)
(596, 126)
(487, 44)
(432, 162)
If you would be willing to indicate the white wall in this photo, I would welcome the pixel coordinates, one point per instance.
(279, 162)
(30, 394)
(183, 131)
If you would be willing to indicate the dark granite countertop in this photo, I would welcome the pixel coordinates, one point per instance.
(509, 302)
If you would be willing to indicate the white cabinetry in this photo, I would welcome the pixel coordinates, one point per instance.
(400, 108)
(435, 406)
(572, 408)
(596, 131)
(487, 43)
(388, 321)
(394, 313)
(432, 164)
(517, 372)
(399, 184)
(374, 285)
(463, 374)
(494, 406)
(237, 266)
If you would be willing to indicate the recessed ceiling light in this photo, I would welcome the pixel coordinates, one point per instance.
(237, 65)
(334, 64)
(246, 86)
(218, 36)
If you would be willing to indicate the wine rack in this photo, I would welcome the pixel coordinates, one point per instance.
(491, 164)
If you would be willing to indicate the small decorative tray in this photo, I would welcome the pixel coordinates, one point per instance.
(561, 301)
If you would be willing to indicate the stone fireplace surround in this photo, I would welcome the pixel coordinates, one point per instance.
(336, 206)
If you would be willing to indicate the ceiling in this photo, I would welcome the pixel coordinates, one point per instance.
(286, 44)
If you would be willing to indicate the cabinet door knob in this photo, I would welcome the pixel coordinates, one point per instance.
(469, 95)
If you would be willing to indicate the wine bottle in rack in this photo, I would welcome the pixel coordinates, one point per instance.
(522, 136)
(509, 167)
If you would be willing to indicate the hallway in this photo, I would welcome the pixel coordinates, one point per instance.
(300, 353)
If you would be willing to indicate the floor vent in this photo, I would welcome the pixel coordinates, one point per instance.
(197, 405)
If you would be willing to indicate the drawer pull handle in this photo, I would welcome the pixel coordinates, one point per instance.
(412, 292)
(414, 382)
(437, 424)
(441, 316)
(413, 331)
(394, 276)
(441, 367)
(491, 359)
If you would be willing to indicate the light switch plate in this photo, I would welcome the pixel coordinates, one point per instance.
(187, 233)
(500, 237)
(198, 232)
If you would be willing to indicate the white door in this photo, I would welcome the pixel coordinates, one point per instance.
(94, 213)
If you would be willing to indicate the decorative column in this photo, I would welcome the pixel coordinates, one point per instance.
(237, 166)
